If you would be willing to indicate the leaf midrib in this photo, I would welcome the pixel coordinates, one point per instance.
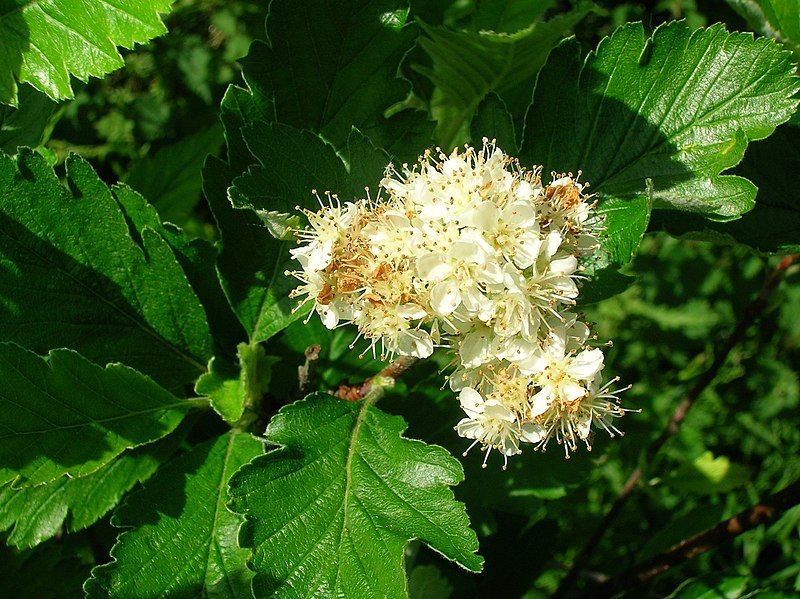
(183, 403)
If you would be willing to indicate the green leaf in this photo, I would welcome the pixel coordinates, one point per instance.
(183, 538)
(74, 277)
(26, 124)
(675, 109)
(724, 588)
(47, 572)
(469, 65)
(197, 257)
(508, 16)
(292, 166)
(706, 475)
(493, 121)
(34, 514)
(426, 582)
(779, 19)
(46, 41)
(332, 65)
(773, 225)
(251, 263)
(64, 415)
(232, 392)
(171, 179)
(330, 512)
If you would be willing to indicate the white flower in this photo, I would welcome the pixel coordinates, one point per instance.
(489, 423)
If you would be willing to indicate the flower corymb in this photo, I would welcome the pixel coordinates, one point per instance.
(472, 252)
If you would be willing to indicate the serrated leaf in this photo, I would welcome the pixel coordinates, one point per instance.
(779, 19)
(64, 415)
(508, 16)
(33, 514)
(493, 121)
(46, 41)
(708, 474)
(197, 257)
(47, 572)
(773, 225)
(332, 65)
(74, 277)
(468, 65)
(251, 263)
(232, 392)
(330, 512)
(183, 538)
(170, 179)
(26, 124)
(676, 109)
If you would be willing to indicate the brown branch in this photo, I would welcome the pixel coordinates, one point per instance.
(393, 371)
(768, 510)
(750, 315)
(305, 371)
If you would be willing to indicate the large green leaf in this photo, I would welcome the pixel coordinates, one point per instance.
(26, 124)
(183, 538)
(777, 18)
(331, 65)
(196, 257)
(468, 65)
(674, 110)
(33, 514)
(330, 512)
(251, 263)
(64, 415)
(773, 225)
(47, 572)
(292, 164)
(73, 276)
(45, 41)
(171, 179)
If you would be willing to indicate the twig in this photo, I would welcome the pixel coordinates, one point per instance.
(768, 510)
(750, 315)
(392, 372)
(305, 371)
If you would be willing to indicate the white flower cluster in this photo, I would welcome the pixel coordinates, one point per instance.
(472, 252)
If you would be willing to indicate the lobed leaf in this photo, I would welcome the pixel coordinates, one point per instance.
(34, 514)
(675, 109)
(468, 65)
(183, 538)
(779, 19)
(46, 41)
(332, 65)
(75, 277)
(64, 415)
(330, 512)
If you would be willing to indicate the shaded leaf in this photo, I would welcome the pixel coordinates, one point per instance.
(675, 109)
(64, 415)
(468, 65)
(74, 277)
(708, 474)
(26, 124)
(33, 514)
(34, 573)
(332, 65)
(171, 179)
(330, 513)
